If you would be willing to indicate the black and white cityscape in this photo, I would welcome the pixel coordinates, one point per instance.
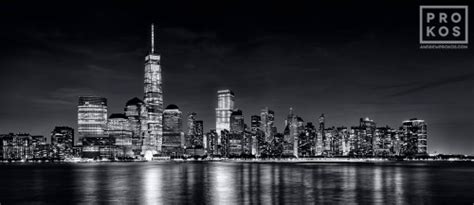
(239, 102)
(146, 130)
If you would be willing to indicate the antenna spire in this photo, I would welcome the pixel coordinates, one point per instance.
(152, 38)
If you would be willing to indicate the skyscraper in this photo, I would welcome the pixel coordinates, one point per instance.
(255, 122)
(173, 136)
(225, 106)
(91, 117)
(414, 137)
(62, 141)
(267, 123)
(237, 121)
(136, 112)
(199, 133)
(120, 132)
(154, 102)
(236, 135)
(293, 129)
(195, 133)
(320, 136)
(366, 136)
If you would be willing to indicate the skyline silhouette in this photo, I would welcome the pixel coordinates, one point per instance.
(347, 65)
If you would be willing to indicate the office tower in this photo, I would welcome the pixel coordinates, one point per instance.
(212, 148)
(224, 146)
(267, 124)
(248, 143)
(236, 135)
(120, 133)
(382, 141)
(41, 150)
(173, 136)
(91, 117)
(62, 142)
(199, 134)
(255, 122)
(320, 136)
(17, 147)
(237, 122)
(307, 140)
(191, 129)
(366, 136)
(341, 142)
(331, 146)
(291, 134)
(154, 103)
(225, 106)
(194, 136)
(414, 133)
(136, 113)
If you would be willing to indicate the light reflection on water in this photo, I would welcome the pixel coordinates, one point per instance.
(237, 182)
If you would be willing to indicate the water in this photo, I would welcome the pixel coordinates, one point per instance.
(238, 182)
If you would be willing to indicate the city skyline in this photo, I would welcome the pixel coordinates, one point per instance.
(401, 99)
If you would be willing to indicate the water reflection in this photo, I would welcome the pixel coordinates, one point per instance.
(230, 182)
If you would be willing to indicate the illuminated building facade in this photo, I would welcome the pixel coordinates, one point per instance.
(62, 142)
(306, 141)
(91, 117)
(120, 133)
(195, 133)
(255, 122)
(136, 113)
(154, 103)
(366, 136)
(212, 146)
(173, 136)
(414, 134)
(267, 124)
(293, 128)
(237, 122)
(17, 147)
(225, 106)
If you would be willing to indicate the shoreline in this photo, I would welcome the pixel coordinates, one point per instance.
(269, 160)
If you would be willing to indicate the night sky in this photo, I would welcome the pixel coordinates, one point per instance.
(346, 60)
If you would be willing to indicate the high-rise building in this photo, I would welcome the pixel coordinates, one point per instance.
(136, 113)
(237, 122)
(173, 136)
(255, 122)
(191, 129)
(414, 133)
(120, 132)
(225, 106)
(62, 142)
(267, 124)
(91, 117)
(212, 146)
(199, 134)
(17, 147)
(236, 135)
(195, 133)
(307, 140)
(320, 136)
(366, 136)
(154, 103)
(293, 124)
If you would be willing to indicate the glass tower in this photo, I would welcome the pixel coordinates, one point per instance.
(154, 103)
(225, 106)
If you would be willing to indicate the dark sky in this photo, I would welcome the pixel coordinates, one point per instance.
(347, 60)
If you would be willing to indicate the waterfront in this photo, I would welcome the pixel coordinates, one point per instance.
(238, 182)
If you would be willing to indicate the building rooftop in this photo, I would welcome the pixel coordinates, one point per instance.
(172, 107)
(134, 101)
